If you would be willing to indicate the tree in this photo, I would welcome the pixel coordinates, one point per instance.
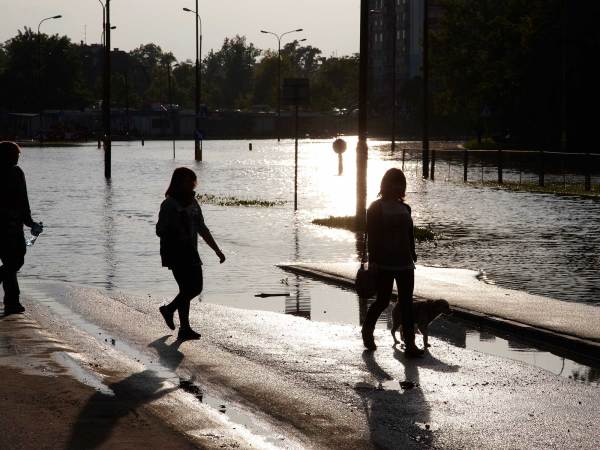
(335, 84)
(501, 57)
(42, 72)
(228, 74)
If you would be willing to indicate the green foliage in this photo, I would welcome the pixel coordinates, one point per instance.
(485, 144)
(228, 73)
(349, 223)
(233, 77)
(502, 56)
(42, 71)
(575, 189)
(234, 201)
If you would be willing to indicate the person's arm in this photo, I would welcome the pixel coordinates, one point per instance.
(24, 202)
(374, 233)
(205, 233)
(210, 241)
(411, 235)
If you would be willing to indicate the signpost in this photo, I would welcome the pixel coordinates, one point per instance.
(296, 92)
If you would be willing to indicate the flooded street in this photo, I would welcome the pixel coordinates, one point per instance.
(102, 235)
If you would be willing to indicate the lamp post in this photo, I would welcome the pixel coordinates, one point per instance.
(362, 150)
(426, 89)
(41, 103)
(103, 22)
(279, 37)
(106, 96)
(197, 143)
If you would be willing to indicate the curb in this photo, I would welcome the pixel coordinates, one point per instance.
(585, 347)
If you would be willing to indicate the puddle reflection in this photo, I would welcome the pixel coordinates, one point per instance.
(315, 300)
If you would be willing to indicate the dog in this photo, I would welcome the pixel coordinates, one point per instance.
(423, 313)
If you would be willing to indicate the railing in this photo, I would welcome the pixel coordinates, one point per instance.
(510, 167)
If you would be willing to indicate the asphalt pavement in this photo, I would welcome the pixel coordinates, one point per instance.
(268, 380)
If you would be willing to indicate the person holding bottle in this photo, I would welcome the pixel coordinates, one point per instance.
(180, 221)
(14, 214)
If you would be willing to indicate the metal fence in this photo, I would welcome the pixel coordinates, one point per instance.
(514, 167)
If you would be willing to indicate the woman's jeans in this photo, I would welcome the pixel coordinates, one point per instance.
(190, 282)
(405, 282)
(12, 255)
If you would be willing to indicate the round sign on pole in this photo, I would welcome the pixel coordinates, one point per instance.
(339, 146)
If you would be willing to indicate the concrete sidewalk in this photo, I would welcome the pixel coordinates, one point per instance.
(568, 324)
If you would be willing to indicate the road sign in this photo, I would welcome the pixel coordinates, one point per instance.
(296, 91)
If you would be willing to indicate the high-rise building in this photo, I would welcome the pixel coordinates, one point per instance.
(403, 21)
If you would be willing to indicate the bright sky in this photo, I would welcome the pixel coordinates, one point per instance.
(331, 25)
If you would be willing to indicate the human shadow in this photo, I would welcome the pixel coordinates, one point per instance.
(102, 412)
(398, 418)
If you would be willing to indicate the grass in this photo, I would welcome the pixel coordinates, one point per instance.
(349, 223)
(234, 201)
(548, 188)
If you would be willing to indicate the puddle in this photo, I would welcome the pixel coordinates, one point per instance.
(161, 366)
(317, 300)
(487, 340)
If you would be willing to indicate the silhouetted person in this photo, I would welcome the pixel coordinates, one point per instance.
(392, 255)
(14, 213)
(180, 221)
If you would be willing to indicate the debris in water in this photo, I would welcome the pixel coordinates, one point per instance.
(272, 295)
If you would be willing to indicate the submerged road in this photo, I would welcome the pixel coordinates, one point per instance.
(267, 380)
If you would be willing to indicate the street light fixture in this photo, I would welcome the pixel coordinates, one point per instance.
(279, 37)
(197, 142)
(41, 104)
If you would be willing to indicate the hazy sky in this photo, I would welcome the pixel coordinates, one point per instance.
(331, 25)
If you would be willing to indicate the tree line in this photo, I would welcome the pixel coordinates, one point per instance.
(51, 72)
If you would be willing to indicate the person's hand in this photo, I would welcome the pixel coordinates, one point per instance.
(37, 228)
(221, 257)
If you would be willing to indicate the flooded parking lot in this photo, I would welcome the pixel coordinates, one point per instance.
(102, 234)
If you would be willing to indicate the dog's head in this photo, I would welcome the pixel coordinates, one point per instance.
(441, 307)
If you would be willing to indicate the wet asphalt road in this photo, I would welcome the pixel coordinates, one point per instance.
(286, 382)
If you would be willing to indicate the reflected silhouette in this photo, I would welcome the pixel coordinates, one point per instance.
(396, 418)
(109, 235)
(299, 304)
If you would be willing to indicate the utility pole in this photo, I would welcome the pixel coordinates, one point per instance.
(197, 137)
(394, 94)
(426, 89)
(106, 99)
(362, 150)
(197, 147)
(279, 37)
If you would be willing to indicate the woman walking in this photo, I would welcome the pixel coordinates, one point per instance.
(392, 255)
(180, 221)
(14, 214)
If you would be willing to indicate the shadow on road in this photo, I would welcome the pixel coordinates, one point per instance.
(398, 418)
(102, 412)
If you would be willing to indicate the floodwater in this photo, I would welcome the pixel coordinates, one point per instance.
(102, 234)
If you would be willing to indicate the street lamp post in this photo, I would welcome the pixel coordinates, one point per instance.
(40, 89)
(426, 89)
(103, 22)
(106, 97)
(362, 150)
(197, 143)
(279, 37)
